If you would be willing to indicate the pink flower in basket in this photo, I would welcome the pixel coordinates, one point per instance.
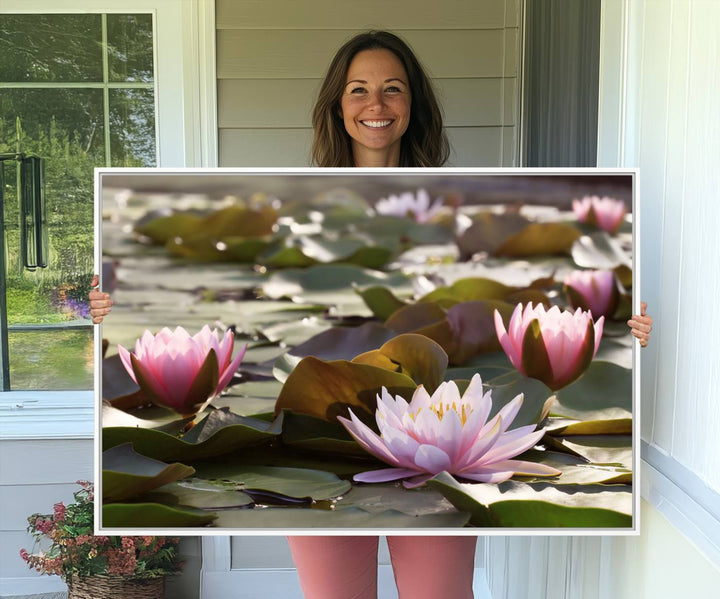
(179, 371)
(553, 346)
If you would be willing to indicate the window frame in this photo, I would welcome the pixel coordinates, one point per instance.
(184, 33)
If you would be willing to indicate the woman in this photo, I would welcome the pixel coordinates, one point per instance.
(377, 108)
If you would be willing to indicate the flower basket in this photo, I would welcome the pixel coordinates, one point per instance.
(116, 587)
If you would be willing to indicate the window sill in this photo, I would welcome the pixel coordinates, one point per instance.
(46, 415)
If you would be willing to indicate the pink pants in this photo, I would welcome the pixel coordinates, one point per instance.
(346, 567)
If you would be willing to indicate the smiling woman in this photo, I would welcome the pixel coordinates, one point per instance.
(377, 107)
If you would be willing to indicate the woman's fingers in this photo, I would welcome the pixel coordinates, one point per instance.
(641, 325)
(100, 302)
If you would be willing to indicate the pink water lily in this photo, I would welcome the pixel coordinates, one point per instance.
(554, 346)
(607, 213)
(446, 432)
(593, 290)
(407, 204)
(179, 371)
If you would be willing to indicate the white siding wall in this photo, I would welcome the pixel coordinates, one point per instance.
(35, 474)
(271, 57)
(660, 82)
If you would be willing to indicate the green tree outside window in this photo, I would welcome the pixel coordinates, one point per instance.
(77, 90)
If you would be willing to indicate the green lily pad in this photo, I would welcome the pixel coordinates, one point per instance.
(225, 433)
(168, 423)
(609, 450)
(381, 300)
(162, 229)
(332, 285)
(537, 398)
(327, 389)
(539, 505)
(604, 392)
(335, 519)
(417, 356)
(152, 516)
(379, 498)
(305, 433)
(127, 474)
(488, 232)
(191, 493)
(575, 470)
(291, 482)
(469, 289)
(539, 239)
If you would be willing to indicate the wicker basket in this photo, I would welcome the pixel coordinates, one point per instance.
(116, 587)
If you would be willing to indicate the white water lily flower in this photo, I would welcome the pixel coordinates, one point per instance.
(446, 432)
(407, 204)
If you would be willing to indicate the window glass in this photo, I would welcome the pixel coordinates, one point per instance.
(132, 127)
(130, 47)
(36, 48)
(78, 103)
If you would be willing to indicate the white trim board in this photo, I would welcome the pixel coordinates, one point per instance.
(46, 415)
(681, 496)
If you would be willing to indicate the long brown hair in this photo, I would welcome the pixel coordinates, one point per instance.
(423, 144)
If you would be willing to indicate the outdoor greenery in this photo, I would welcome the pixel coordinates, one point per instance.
(65, 125)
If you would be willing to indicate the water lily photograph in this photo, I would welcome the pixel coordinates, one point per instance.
(305, 349)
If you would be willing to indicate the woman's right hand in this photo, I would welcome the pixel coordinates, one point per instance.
(100, 303)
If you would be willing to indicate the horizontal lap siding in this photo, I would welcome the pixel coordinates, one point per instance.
(271, 60)
(34, 475)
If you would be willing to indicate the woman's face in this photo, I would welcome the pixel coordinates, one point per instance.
(375, 106)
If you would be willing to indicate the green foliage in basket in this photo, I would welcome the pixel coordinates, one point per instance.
(74, 552)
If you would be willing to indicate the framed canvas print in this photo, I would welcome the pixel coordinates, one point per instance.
(414, 350)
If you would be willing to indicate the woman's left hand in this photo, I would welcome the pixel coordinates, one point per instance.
(641, 325)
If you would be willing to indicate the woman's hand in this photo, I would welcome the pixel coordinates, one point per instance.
(100, 302)
(641, 325)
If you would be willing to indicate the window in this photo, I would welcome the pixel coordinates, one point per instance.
(78, 91)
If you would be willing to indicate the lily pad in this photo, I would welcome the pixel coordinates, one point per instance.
(299, 483)
(488, 232)
(599, 251)
(152, 516)
(331, 284)
(327, 389)
(604, 392)
(162, 229)
(336, 518)
(169, 423)
(305, 433)
(539, 239)
(539, 505)
(537, 398)
(578, 471)
(344, 343)
(608, 450)
(468, 329)
(229, 433)
(417, 356)
(381, 300)
(127, 474)
(189, 493)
